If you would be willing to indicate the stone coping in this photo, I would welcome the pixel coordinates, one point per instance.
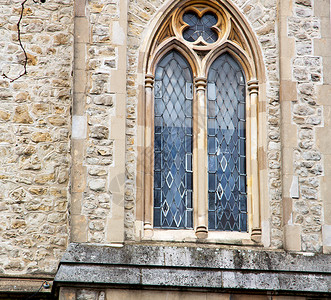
(194, 267)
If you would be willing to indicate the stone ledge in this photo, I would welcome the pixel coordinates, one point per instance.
(198, 257)
(194, 267)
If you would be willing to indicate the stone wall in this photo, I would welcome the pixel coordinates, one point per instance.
(304, 27)
(34, 136)
(303, 79)
(108, 91)
(99, 122)
(100, 42)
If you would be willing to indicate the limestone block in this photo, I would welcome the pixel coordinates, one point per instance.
(292, 237)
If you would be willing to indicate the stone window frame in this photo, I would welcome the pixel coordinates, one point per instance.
(237, 39)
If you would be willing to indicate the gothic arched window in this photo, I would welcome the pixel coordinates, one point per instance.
(201, 120)
(226, 132)
(173, 141)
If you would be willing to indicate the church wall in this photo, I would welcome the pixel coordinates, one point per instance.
(70, 129)
(304, 28)
(35, 126)
(107, 185)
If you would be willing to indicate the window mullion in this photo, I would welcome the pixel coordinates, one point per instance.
(200, 159)
(148, 157)
(253, 89)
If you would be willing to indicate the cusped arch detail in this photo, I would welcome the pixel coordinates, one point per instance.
(238, 32)
(169, 45)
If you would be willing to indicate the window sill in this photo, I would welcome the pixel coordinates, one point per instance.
(189, 236)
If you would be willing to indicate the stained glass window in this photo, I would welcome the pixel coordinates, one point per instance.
(227, 197)
(200, 27)
(173, 98)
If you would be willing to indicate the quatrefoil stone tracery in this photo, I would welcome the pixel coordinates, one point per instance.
(200, 27)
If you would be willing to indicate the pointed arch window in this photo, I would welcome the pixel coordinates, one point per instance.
(201, 120)
(173, 141)
(227, 194)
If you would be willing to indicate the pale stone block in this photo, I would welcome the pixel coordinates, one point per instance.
(76, 203)
(78, 104)
(286, 58)
(81, 30)
(294, 191)
(78, 231)
(122, 59)
(78, 178)
(327, 71)
(321, 8)
(118, 82)
(323, 95)
(118, 34)
(79, 127)
(287, 210)
(324, 27)
(265, 238)
(326, 233)
(292, 234)
(289, 138)
(288, 92)
(97, 185)
(286, 8)
(115, 225)
(322, 46)
(287, 161)
(80, 56)
(80, 81)
(117, 129)
(78, 149)
(79, 8)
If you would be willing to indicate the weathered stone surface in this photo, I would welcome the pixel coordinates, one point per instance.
(22, 115)
(32, 185)
(195, 267)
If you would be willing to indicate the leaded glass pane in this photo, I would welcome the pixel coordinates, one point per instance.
(200, 27)
(227, 194)
(173, 143)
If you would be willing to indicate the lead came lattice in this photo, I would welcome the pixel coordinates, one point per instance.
(226, 146)
(173, 143)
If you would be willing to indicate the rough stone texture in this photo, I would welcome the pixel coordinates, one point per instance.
(101, 60)
(136, 265)
(35, 125)
(307, 114)
(34, 136)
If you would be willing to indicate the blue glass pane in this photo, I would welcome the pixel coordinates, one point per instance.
(200, 27)
(226, 146)
(173, 143)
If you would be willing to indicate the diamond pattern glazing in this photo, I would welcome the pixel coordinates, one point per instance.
(173, 143)
(227, 197)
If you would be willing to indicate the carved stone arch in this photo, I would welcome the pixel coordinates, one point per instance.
(238, 30)
(243, 59)
(174, 44)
